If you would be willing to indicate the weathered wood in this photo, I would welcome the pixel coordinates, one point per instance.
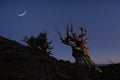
(79, 49)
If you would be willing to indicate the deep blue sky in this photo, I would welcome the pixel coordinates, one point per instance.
(100, 17)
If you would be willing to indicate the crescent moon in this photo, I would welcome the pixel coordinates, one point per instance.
(22, 14)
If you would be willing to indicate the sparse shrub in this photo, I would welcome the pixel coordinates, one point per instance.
(39, 43)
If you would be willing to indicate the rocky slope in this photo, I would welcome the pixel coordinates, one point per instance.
(18, 62)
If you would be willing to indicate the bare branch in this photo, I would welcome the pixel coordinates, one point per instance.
(83, 32)
(67, 31)
(59, 34)
(71, 29)
(66, 39)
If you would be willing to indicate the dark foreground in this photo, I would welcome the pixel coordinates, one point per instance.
(18, 62)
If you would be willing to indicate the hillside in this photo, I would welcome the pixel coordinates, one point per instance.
(112, 71)
(19, 62)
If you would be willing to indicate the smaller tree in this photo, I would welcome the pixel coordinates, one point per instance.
(40, 42)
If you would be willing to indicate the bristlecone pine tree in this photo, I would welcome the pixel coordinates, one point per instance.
(40, 43)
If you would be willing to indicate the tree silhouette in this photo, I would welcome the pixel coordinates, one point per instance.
(80, 51)
(40, 42)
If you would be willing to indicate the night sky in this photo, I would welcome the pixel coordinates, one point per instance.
(100, 17)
